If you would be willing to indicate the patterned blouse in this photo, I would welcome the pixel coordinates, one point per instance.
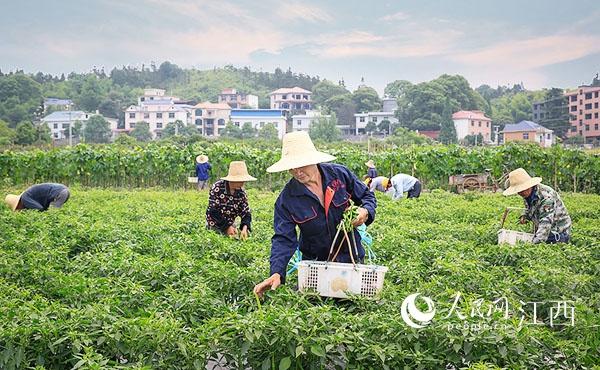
(224, 207)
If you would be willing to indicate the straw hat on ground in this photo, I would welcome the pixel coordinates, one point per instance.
(297, 151)
(520, 180)
(202, 158)
(238, 172)
(12, 201)
(370, 164)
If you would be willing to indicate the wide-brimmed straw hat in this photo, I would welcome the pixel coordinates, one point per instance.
(12, 201)
(298, 150)
(370, 164)
(520, 180)
(202, 158)
(385, 182)
(238, 172)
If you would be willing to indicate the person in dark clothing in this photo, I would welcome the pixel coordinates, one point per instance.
(227, 200)
(203, 167)
(39, 197)
(314, 200)
(372, 171)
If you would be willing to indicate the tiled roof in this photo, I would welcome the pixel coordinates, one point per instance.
(64, 116)
(288, 90)
(468, 114)
(524, 126)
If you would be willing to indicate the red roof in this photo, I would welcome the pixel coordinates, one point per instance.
(433, 134)
(470, 114)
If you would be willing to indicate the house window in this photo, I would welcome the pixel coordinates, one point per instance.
(375, 119)
(131, 115)
(588, 116)
(362, 119)
(573, 128)
(535, 116)
(65, 125)
(526, 136)
(237, 124)
(596, 94)
(298, 97)
(305, 97)
(587, 127)
(589, 106)
(573, 108)
(198, 122)
(299, 122)
(132, 125)
(171, 115)
(595, 126)
(158, 115)
(479, 123)
(541, 115)
(56, 125)
(588, 95)
(56, 135)
(146, 115)
(596, 115)
(158, 124)
(573, 98)
(472, 123)
(596, 105)
(548, 136)
(283, 97)
(487, 124)
(221, 122)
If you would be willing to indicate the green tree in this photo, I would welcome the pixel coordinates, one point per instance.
(25, 133)
(232, 131)
(248, 131)
(397, 89)
(173, 128)
(366, 99)
(268, 132)
(91, 94)
(344, 108)
(42, 133)
(325, 128)
(557, 112)
(384, 126)
(473, 140)
(141, 131)
(448, 130)
(371, 127)
(326, 90)
(7, 134)
(97, 130)
(20, 98)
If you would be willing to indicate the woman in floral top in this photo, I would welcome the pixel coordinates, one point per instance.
(227, 200)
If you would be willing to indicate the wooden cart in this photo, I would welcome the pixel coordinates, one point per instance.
(475, 181)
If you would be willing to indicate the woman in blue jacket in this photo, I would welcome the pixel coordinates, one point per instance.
(314, 200)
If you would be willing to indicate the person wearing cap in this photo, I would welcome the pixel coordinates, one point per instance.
(372, 171)
(313, 200)
(202, 169)
(543, 206)
(227, 200)
(39, 197)
(401, 183)
(380, 183)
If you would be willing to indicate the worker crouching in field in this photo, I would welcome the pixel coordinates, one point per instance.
(396, 186)
(227, 200)
(314, 200)
(543, 206)
(39, 197)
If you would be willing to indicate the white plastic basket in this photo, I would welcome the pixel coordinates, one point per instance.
(512, 237)
(334, 279)
(193, 180)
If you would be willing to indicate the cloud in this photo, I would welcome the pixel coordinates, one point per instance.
(399, 16)
(300, 11)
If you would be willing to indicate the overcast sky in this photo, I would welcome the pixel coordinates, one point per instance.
(539, 43)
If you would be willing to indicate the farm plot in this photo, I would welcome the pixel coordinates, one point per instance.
(131, 279)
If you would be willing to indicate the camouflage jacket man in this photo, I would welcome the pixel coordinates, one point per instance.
(549, 215)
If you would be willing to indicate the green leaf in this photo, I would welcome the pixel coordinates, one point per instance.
(317, 350)
(299, 350)
(285, 363)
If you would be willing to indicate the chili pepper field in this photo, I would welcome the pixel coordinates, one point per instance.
(132, 279)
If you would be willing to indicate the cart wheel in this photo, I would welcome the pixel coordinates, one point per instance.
(471, 184)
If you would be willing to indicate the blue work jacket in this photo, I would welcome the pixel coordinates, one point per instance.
(202, 171)
(298, 206)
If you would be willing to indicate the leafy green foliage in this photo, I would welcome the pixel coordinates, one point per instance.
(325, 128)
(141, 131)
(268, 132)
(133, 279)
(366, 99)
(97, 130)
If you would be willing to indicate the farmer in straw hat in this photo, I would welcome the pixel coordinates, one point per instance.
(372, 171)
(314, 200)
(227, 200)
(40, 197)
(543, 206)
(396, 186)
(202, 169)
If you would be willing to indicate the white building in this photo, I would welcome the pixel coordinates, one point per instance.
(472, 123)
(295, 98)
(157, 110)
(258, 118)
(57, 104)
(211, 118)
(238, 100)
(302, 122)
(362, 119)
(59, 122)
